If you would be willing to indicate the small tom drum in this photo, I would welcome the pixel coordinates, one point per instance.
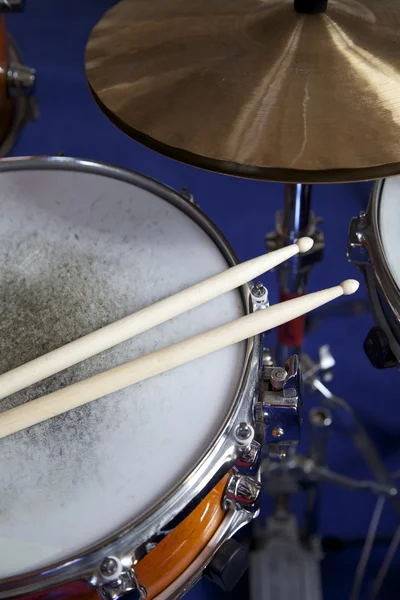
(374, 246)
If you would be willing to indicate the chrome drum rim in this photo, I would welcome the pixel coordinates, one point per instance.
(130, 541)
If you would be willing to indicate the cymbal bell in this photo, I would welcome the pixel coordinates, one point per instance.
(253, 88)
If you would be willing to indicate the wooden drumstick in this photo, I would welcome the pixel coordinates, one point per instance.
(146, 318)
(132, 372)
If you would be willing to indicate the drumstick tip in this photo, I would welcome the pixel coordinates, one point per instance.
(349, 286)
(305, 244)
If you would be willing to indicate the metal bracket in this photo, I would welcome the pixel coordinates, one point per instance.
(357, 250)
(21, 78)
(282, 403)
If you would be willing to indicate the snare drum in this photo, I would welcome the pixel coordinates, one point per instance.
(374, 245)
(138, 490)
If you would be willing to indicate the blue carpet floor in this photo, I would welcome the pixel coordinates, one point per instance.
(52, 35)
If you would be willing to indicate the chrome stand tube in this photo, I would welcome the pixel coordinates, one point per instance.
(320, 421)
(295, 221)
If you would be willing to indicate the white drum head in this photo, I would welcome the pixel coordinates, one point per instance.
(77, 251)
(389, 225)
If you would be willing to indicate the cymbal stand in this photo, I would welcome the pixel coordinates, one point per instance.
(320, 421)
(296, 220)
(284, 558)
(279, 561)
(382, 476)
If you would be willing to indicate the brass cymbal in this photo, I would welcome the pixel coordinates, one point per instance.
(252, 87)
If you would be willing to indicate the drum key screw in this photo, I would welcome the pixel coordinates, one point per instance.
(109, 566)
(243, 433)
(258, 290)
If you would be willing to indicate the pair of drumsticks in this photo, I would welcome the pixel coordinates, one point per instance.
(97, 386)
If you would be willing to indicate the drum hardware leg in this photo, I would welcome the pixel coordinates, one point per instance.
(320, 421)
(349, 420)
(285, 473)
(281, 566)
(390, 554)
(367, 548)
(281, 558)
(295, 221)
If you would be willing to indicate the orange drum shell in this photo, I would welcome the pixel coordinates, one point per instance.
(169, 559)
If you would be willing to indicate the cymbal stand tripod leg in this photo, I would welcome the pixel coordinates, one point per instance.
(320, 421)
(296, 220)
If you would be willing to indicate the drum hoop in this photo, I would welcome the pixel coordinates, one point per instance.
(132, 539)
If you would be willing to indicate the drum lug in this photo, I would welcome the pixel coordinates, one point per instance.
(250, 450)
(357, 251)
(243, 492)
(250, 460)
(21, 78)
(259, 296)
(118, 581)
